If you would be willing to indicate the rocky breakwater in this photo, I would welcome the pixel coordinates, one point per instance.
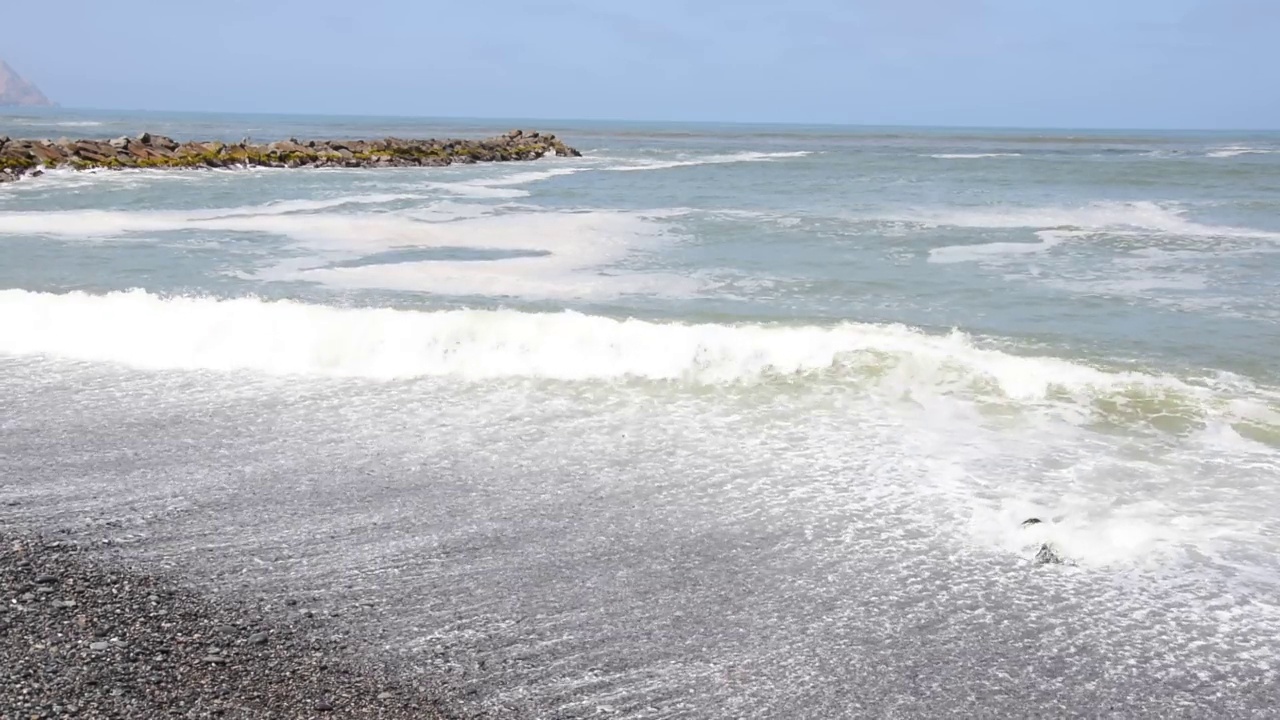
(19, 158)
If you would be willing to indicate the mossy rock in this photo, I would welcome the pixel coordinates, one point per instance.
(16, 163)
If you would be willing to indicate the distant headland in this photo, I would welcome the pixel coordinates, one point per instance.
(16, 92)
(20, 158)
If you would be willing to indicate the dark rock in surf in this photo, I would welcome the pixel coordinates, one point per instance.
(1047, 555)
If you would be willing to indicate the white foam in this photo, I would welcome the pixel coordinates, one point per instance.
(987, 472)
(1222, 437)
(738, 157)
(1237, 150)
(973, 156)
(1098, 216)
(283, 218)
(143, 329)
(56, 123)
(574, 251)
(501, 185)
(292, 206)
(1084, 531)
(988, 251)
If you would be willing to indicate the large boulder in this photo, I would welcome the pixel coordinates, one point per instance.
(164, 143)
(288, 146)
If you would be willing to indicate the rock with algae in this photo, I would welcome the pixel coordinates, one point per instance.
(19, 158)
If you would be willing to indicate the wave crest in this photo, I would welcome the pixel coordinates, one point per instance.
(141, 329)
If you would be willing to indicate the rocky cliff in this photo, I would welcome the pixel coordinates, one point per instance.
(30, 157)
(14, 91)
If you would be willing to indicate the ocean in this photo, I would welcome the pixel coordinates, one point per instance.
(716, 421)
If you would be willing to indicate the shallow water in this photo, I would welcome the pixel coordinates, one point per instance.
(715, 421)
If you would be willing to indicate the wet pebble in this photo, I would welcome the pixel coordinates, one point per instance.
(143, 646)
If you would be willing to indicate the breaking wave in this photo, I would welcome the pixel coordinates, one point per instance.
(973, 156)
(1140, 216)
(709, 160)
(1237, 150)
(140, 329)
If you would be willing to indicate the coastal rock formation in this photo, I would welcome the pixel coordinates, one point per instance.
(16, 92)
(29, 157)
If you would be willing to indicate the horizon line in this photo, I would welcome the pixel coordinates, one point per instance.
(6, 110)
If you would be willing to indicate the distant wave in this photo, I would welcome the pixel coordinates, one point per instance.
(1237, 150)
(709, 160)
(501, 186)
(986, 251)
(973, 156)
(55, 123)
(1098, 216)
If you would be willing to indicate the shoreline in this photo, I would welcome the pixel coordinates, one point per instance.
(86, 635)
(30, 157)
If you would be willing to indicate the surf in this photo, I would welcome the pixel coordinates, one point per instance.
(141, 329)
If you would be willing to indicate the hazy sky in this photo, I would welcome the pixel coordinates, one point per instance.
(1074, 63)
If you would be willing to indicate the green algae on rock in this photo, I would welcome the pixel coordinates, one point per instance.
(26, 157)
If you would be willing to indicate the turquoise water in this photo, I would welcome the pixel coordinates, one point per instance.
(736, 418)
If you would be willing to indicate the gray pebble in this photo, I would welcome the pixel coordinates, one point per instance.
(165, 670)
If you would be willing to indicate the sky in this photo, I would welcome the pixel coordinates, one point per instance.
(995, 63)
